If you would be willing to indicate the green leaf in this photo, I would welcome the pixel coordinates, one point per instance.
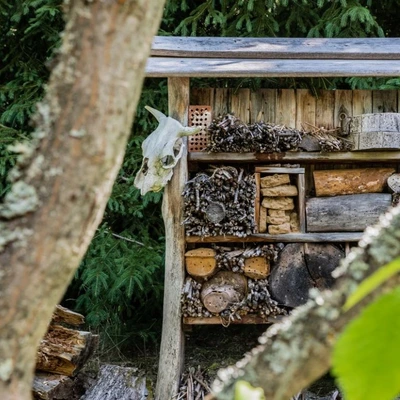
(244, 391)
(372, 282)
(366, 356)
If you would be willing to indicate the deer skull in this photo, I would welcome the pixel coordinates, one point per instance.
(161, 152)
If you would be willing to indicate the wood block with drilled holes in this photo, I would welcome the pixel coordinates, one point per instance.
(279, 229)
(275, 180)
(201, 262)
(262, 227)
(256, 267)
(278, 203)
(279, 191)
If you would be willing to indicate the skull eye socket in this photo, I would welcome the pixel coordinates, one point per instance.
(145, 166)
(168, 161)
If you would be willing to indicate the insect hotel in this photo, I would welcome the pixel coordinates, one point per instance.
(270, 188)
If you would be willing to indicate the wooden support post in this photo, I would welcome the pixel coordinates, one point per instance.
(172, 342)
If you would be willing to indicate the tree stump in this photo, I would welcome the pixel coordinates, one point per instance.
(300, 267)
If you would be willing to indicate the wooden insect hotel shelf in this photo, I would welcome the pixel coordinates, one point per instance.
(260, 222)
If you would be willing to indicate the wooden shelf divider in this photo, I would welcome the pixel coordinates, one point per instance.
(248, 319)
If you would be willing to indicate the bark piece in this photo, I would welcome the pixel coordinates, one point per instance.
(394, 183)
(309, 143)
(278, 220)
(256, 267)
(351, 181)
(275, 180)
(115, 382)
(201, 262)
(62, 314)
(52, 387)
(263, 220)
(279, 229)
(350, 213)
(64, 351)
(278, 203)
(284, 190)
(222, 290)
(321, 260)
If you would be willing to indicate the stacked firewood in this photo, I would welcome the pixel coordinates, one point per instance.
(229, 134)
(194, 385)
(191, 305)
(220, 204)
(277, 211)
(62, 353)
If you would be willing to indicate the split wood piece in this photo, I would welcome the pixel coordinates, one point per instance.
(279, 191)
(115, 382)
(201, 262)
(274, 180)
(350, 213)
(222, 290)
(301, 267)
(278, 203)
(262, 226)
(351, 181)
(256, 267)
(66, 316)
(394, 183)
(64, 351)
(52, 386)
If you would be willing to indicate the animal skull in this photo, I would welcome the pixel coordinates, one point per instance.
(161, 152)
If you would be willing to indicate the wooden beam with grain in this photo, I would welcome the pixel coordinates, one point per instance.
(305, 48)
(161, 67)
(172, 342)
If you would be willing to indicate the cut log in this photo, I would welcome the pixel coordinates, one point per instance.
(115, 382)
(300, 267)
(66, 316)
(351, 213)
(394, 183)
(64, 351)
(256, 267)
(284, 190)
(222, 290)
(201, 262)
(52, 387)
(351, 181)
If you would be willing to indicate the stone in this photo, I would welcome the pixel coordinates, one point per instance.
(294, 222)
(278, 203)
(277, 213)
(262, 226)
(284, 190)
(279, 229)
(278, 220)
(274, 180)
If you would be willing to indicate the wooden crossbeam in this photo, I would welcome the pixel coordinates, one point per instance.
(275, 48)
(158, 67)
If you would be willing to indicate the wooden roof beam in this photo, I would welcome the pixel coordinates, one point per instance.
(277, 48)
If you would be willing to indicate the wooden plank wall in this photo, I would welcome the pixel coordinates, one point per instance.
(296, 108)
(300, 109)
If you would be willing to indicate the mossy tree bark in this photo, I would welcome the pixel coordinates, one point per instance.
(64, 178)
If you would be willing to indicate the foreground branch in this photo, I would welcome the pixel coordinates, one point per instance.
(296, 352)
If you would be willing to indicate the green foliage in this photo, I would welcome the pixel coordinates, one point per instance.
(244, 391)
(366, 355)
(372, 282)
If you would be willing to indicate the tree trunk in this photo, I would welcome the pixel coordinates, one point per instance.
(65, 177)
